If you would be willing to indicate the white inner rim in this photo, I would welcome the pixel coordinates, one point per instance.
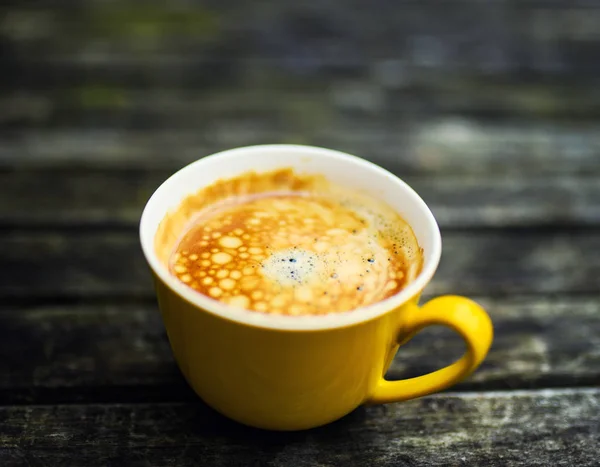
(312, 322)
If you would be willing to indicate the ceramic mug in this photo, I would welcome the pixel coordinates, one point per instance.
(298, 372)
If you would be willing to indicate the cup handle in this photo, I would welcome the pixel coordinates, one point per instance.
(462, 315)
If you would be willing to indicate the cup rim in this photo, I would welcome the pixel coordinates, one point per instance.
(287, 322)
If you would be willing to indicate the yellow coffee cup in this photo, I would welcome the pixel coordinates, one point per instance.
(298, 372)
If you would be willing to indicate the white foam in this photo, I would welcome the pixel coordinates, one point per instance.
(293, 267)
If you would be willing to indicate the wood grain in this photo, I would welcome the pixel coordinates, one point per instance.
(429, 146)
(289, 106)
(99, 263)
(489, 109)
(119, 352)
(294, 69)
(555, 38)
(498, 429)
(116, 198)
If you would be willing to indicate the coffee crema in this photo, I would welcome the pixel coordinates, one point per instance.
(288, 244)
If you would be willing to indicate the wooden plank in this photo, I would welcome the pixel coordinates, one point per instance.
(552, 38)
(119, 352)
(102, 263)
(181, 66)
(508, 429)
(97, 198)
(87, 353)
(445, 145)
(116, 198)
(288, 103)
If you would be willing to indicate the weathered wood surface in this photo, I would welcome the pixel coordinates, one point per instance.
(533, 428)
(489, 109)
(116, 198)
(119, 352)
(105, 263)
(500, 38)
(442, 146)
(289, 105)
(293, 70)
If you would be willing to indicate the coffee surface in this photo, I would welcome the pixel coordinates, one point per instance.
(312, 250)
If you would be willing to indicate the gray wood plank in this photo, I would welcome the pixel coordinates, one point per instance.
(496, 38)
(441, 145)
(287, 103)
(535, 428)
(116, 198)
(113, 352)
(103, 263)
(119, 352)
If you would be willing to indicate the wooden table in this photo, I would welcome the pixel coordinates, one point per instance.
(503, 145)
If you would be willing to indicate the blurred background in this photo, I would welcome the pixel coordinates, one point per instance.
(418, 86)
(488, 108)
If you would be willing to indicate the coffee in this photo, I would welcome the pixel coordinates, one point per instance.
(288, 244)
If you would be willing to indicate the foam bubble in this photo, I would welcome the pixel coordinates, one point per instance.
(292, 267)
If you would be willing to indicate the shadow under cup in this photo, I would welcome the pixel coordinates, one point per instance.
(296, 372)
